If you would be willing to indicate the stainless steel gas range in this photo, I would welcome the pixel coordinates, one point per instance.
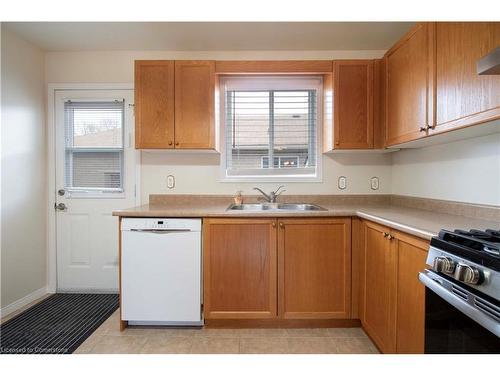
(462, 300)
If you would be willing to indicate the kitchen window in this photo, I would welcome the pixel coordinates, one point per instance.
(271, 118)
(93, 158)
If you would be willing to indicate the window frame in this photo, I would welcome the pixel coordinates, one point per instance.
(271, 82)
(89, 192)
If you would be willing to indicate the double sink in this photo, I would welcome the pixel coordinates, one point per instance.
(275, 207)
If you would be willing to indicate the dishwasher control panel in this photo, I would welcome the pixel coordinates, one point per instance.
(193, 225)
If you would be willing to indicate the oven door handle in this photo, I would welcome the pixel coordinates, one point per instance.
(472, 312)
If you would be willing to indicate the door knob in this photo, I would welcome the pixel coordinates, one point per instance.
(60, 207)
(61, 192)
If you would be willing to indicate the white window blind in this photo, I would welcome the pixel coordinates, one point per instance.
(270, 126)
(94, 145)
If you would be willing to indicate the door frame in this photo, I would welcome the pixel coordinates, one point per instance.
(52, 89)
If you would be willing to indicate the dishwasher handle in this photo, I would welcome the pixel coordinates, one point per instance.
(160, 231)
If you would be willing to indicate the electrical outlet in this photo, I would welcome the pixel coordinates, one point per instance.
(374, 183)
(170, 181)
(342, 182)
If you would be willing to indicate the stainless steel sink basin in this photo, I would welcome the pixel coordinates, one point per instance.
(249, 207)
(299, 207)
(275, 207)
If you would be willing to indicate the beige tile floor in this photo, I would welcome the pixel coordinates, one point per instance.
(108, 339)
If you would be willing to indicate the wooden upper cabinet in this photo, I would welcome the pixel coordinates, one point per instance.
(154, 104)
(410, 85)
(410, 330)
(239, 265)
(464, 97)
(314, 268)
(379, 287)
(353, 104)
(194, 104)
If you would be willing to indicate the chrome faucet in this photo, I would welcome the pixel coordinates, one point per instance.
(273, 195)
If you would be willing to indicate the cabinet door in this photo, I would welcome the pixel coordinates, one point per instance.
(410, 329)
(409, 85)
(353, 104)
(239, 257)
(154, 104)
(314, 257)
(380, 270)
(464, 97)
(194, 104)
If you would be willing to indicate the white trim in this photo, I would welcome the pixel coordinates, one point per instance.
(22, 302)
(267, 82)
(52, 88)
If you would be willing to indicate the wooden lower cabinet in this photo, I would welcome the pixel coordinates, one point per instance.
(410, 319)
(392, 298)
(379, 300)
(300, 269)
(277, 269)
(239, 265)
(314, 268)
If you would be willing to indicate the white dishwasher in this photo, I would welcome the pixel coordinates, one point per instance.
(161, 271)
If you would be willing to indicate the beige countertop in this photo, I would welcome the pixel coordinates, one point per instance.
(421, 223)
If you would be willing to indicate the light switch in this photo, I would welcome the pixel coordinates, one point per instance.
(374, 183)
(170, 181)
(342, 182)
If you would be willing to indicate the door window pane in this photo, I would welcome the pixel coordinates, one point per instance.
(94, 145)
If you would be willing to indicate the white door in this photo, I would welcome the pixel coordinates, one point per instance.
(95, 175)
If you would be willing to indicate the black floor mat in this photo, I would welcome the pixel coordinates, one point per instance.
(58, 324)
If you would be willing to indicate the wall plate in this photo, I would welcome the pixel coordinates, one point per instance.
(342, 182)
(170, 181)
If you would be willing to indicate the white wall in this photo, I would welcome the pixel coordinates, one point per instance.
(118, 66)
(466, 171)
(199, 174)
(23, 169)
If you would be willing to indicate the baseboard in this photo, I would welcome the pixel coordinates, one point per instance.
(20, 303)
(282, 323)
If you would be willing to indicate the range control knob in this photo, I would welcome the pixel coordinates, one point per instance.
(444, 265)
(467, 274)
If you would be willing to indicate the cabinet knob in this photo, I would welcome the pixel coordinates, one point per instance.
(170, 143)
(390, 237)
(385, 234)
(177, 143)
(282, 226)
(423, 128)
(273, 224)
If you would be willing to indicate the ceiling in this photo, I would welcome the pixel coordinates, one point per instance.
(210, 36)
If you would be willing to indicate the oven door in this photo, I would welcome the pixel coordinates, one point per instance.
(453, 321)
